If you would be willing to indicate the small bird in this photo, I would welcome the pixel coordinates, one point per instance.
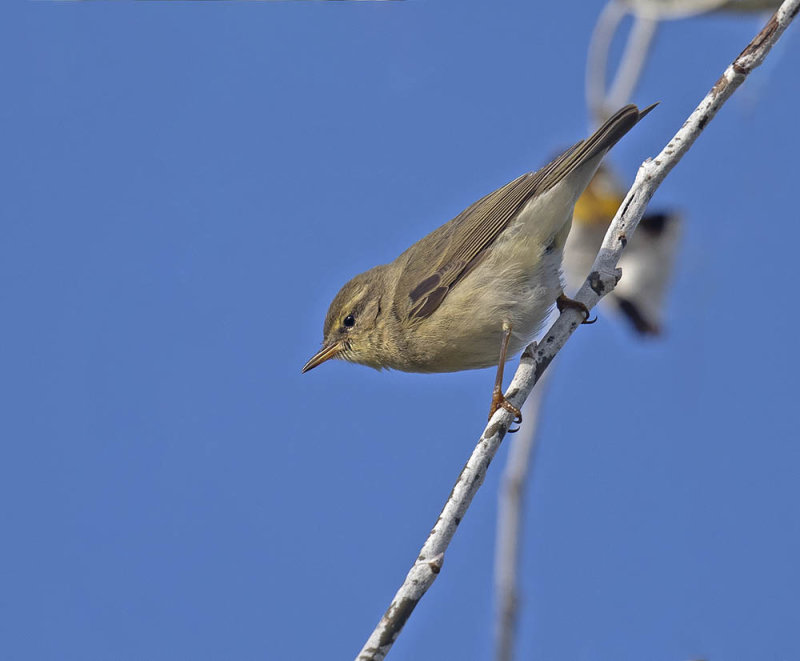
(475, 291)
(648, 261)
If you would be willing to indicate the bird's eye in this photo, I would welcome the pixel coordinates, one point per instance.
(349, 321)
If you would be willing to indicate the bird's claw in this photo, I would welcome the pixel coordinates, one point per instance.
(563, 302)
(499, 401)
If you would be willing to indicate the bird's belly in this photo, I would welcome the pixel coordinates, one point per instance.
(467, 330)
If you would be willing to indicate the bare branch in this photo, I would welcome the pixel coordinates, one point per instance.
(537, 357)
(603, 100)
(597, 59)
(630, 67)
(509, 523)
(674, 9)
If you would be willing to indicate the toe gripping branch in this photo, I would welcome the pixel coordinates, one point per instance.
(498, 398)
(563, 302)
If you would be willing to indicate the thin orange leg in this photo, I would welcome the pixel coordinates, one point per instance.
(498, 398)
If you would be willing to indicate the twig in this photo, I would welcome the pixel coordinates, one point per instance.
(674, 9)
(646, 16)
(537, 357)
(602, 99)
(509, 522)
(597, 59)
(630, 68)
(515, 476)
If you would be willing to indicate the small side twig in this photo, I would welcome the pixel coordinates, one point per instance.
(632, 63)
(537, 357)
(604, 99)
(597, 59)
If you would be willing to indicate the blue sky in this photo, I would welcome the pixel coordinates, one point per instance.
(186, 186)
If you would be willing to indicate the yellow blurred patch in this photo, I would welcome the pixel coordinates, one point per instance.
(596, 207)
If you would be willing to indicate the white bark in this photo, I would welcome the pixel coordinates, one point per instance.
(672, 9)
(603, 99)
(597, 59)
(631, 65)
(508, 540)
(537, 357)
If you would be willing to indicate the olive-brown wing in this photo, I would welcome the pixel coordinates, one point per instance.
(436, 263)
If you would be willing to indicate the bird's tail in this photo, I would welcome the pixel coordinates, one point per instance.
(596, 145)
(611, 132)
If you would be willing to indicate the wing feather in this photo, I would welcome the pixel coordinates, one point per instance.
(459, 245)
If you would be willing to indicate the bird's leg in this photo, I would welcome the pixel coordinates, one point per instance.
(563, 302)
(498, 398)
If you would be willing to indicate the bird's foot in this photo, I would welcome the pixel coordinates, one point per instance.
(499, 401)
(563, 302)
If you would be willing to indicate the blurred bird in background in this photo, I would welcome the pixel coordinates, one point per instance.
(647, 263)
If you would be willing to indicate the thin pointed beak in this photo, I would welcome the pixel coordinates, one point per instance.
(326, 353)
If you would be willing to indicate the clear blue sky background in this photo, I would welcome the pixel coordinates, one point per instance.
(186, 186)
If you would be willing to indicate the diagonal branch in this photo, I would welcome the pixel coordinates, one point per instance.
(508, 540)
(537, 357)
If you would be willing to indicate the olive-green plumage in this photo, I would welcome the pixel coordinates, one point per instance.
(441, 305)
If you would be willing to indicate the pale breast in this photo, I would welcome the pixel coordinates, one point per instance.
(517, 282)
(466, 331)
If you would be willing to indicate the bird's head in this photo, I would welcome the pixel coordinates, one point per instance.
(354, 325)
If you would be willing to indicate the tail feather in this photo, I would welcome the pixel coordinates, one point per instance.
(612, 131)
(597, 144)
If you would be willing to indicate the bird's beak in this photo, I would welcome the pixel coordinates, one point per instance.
(325, 353)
